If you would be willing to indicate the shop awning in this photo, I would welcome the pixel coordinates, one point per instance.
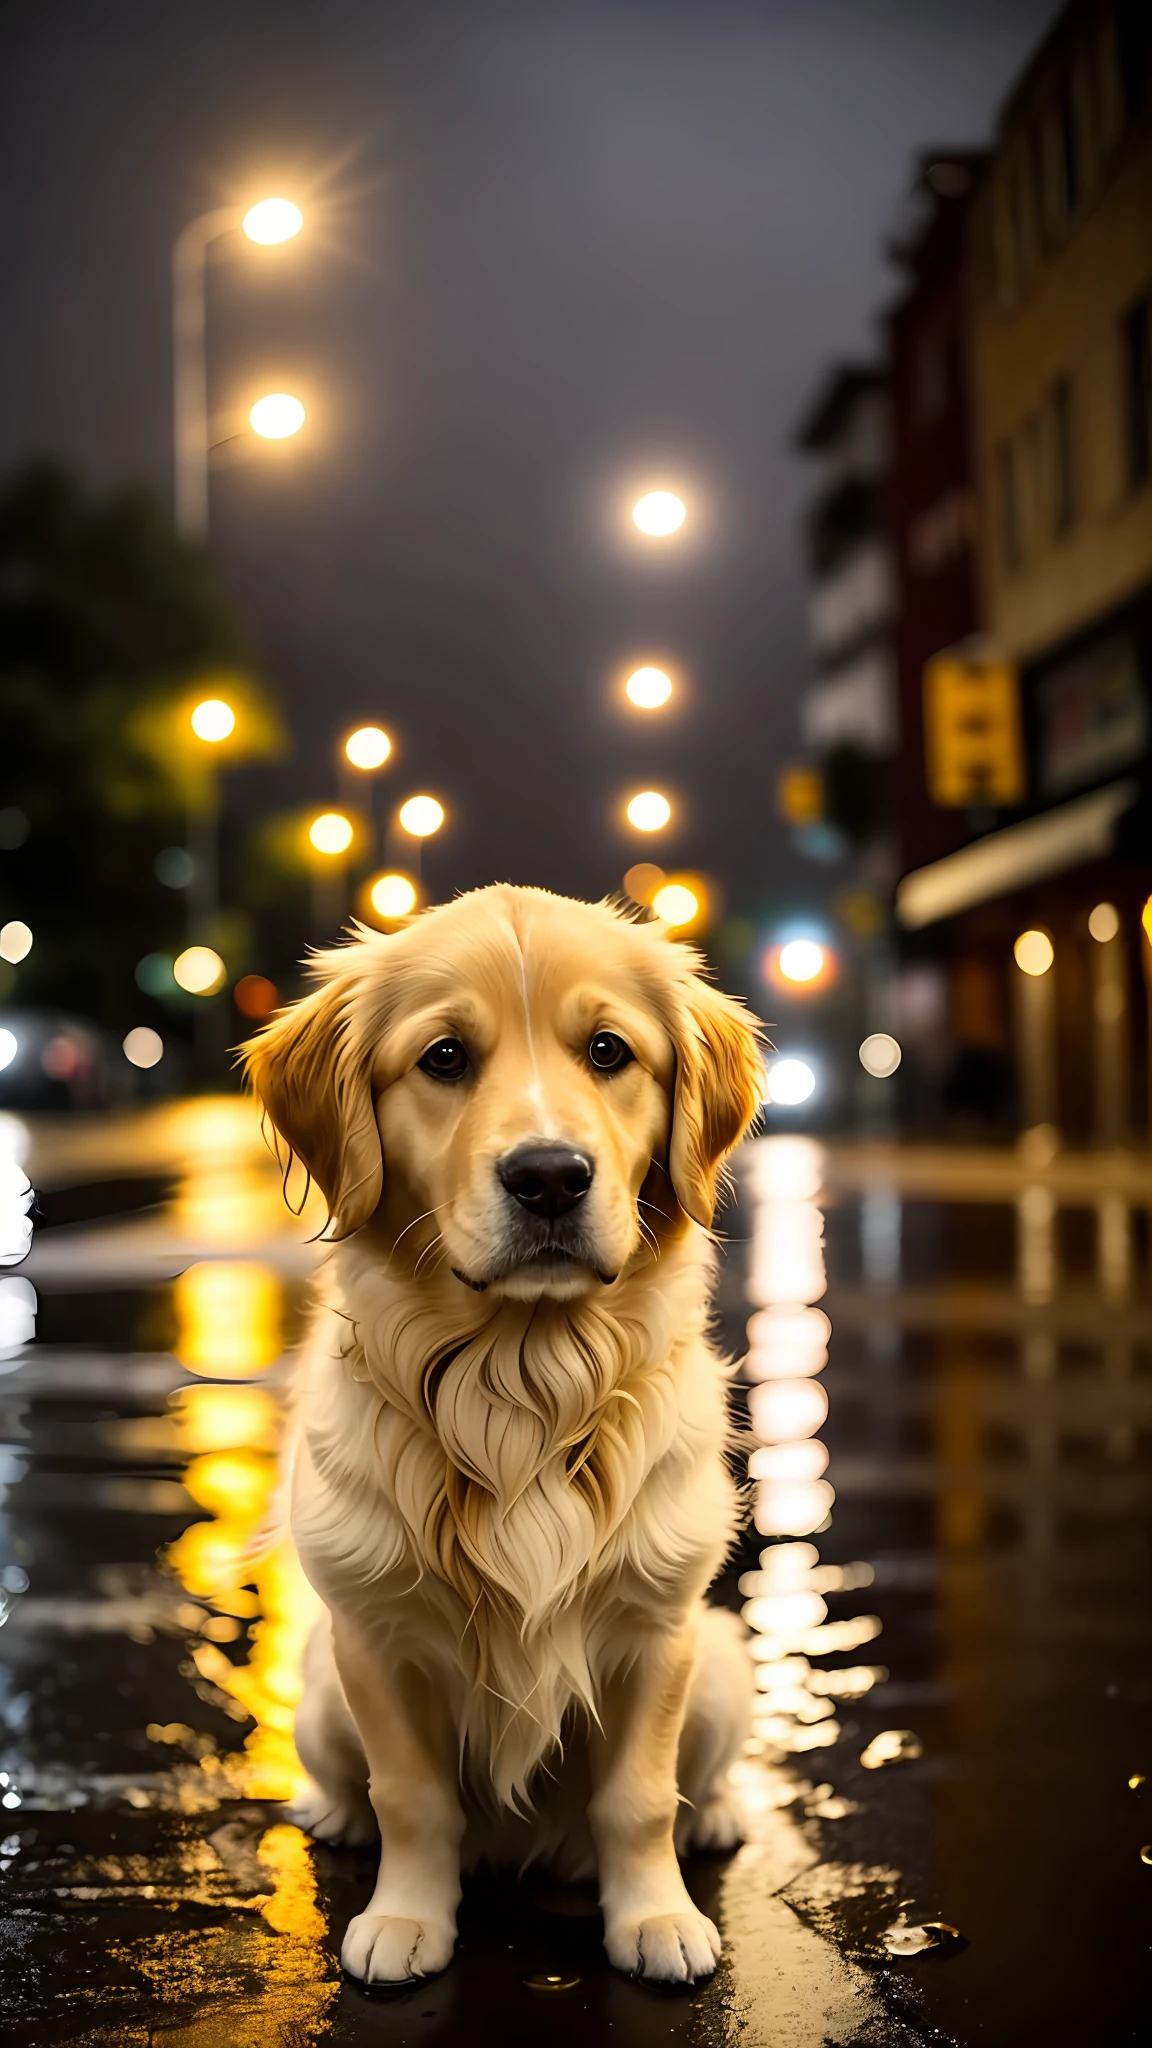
(1067, 837)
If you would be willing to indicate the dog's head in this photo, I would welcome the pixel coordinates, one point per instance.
(527, 1088)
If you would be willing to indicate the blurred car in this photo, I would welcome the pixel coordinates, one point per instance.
(50, 1060)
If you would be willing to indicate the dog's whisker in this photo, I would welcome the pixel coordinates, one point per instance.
(433, 1211)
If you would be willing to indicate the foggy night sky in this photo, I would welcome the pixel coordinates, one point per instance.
(554, 252)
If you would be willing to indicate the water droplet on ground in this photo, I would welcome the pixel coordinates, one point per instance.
(903, 1939)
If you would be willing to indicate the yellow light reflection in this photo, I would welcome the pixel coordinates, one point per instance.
(229, 1318)
(228, 1563)
(787, 1404)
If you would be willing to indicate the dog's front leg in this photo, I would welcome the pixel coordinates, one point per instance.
(408, 1928)
(651, 1927)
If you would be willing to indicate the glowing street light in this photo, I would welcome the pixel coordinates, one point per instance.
(198, 970)
(648, 688)
(331, 833)
(277, 416)
(421, 816)
(213, 720)
(801, 960)
(392, 896)
(272, 220)
(269, 221)
(659, 513)
(648, 811)
(1034, 952)
(368, 748)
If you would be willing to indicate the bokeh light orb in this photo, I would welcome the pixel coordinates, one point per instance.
(277, 416)
(392, 896)
(648, 688)
(213, 720)
(648, 811)
(676, 903)
(273, 220)
(801, 960)
(368, 748)
(880, 1055)
(659, 513)
(789, 1082)
(421, 816)
(331, 832)
(256, 997)
(9, 1047)
(1104, 922)
(1034, 952)
(143, 1047)
(15, 941)
(198, 970)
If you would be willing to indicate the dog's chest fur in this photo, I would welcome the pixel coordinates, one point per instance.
(509, 1495)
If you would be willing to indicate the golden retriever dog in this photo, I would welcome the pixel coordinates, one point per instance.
(508, 1484)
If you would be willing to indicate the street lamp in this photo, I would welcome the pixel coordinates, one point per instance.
(270, 221)
(648, 811)
(368, 747)
(648, 688)
(421, 816)
(659, 513)
(213, 720)
(331, 833)
(277, 417)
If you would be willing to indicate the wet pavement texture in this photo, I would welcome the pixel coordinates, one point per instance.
(952, 1627)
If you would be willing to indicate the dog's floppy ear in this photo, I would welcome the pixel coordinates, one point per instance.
(719, 1091)
(311, 1071)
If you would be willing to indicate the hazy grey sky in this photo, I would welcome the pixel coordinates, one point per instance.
(554, 249)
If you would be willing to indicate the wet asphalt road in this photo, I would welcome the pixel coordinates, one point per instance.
(990, 1435)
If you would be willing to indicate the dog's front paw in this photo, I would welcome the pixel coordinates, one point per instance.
(668, 1948)
(382, 1949)
(344, 1822)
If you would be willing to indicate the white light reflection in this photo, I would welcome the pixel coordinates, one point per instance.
(787, 1403)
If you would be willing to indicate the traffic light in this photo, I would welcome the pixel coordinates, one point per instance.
(973, 751)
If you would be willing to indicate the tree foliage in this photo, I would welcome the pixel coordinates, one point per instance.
(111, 628)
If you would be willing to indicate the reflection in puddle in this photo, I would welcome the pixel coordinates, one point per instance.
(17, 1295)
(891, 1746)
(229, 1318)
(788, 1335)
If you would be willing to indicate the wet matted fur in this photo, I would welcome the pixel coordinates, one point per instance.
(508, 1483)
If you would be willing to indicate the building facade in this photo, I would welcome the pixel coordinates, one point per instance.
(1056, 273)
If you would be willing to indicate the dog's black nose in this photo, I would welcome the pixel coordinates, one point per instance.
(547, 1180)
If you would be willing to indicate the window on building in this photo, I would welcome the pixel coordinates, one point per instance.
(1008, 505)
(1063, 457)
(1137, 342)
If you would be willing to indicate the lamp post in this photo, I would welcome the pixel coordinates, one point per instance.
(271, 220)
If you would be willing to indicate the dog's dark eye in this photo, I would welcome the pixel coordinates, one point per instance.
(608, 1054)
(447, 1060)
